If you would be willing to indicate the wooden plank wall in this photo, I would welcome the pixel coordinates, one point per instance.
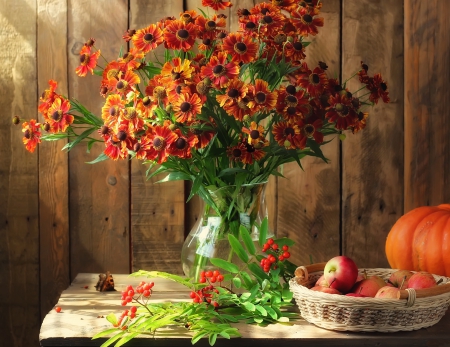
(60, 216)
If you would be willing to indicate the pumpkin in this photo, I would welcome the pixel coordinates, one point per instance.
(420, 240)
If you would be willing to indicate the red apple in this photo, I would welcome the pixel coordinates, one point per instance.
(356, 295)
(400, 276)
(420, 280)
(369, 286)
(387, 292)
(341, 273)
(322, 282)
(323, 289)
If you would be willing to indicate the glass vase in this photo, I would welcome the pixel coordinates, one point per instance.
(209, 236)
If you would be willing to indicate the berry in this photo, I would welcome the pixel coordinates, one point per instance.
(274, 246)
(270, 241)
(286, 255)
(133, 309)
(58, 309)
(285, 247)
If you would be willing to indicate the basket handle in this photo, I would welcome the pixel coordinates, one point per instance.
(424, 293)
(304, 271)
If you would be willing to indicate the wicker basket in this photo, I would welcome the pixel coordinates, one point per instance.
(415, 309)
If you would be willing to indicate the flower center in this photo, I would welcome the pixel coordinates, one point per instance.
(291, 110)
(267, 19)
(146, 101)
(307, 19)
(240, 48)
(260, 97)
(182, 34)
(254, 134)
(210, 25)
(314, 78)
(250, 26)
(113, 111)
(84, 59)
(233, 93)
(158, 143)
(297, 46)
(27, 134)
(175, 75)
(291, 89)
(159, 92)
(383, 86)
(237, 153)
(289, 131)
(104, 130)
(112, 73)
(219, 70)
(57, 115)
(309, 130)
(280, 38)
(122, 135)
(185, 106)
(206, 42)
(291, 100)
(180, 143)
(121, 85)
(130, 113)
(137, 147)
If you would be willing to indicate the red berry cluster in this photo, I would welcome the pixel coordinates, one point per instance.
(143, 289)
(205, 295)
(276, 254)
(131, 313)
(210, 276)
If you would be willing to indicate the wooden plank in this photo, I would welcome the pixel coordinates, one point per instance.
(53, 163)
(427, 144)
(308, 200)
(19, 200)
(99, 194)
(157, 210)
(372, 189)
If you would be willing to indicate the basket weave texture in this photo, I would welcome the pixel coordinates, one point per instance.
(346, 313)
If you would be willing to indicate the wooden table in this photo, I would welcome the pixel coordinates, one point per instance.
(84, 309)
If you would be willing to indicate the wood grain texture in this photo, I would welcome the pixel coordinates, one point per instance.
(99, 194)
(157, 210)
(372, 190)
(308, 200)
(427, 98)
(83, 315)
(53, 163)
(19, 199)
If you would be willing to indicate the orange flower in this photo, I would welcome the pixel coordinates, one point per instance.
(31, 135)
(176, 71)
(113, 107)
(148, 38)
(241, 48)
(186, 107)
(305, 21)
(58, 116)
(88, 61)
(263, 99)
(47, 98)
(208, 28)
(182, 146)
(161, 139)
(125, 82)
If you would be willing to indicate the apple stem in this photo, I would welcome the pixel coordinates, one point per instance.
(365, 274)
(360, 289)
(439, 281)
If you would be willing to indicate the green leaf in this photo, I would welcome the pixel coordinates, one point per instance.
(263, 232)
(112, 319)
(237, 248)
(271, 312)
(225, 265)
(126, 338)
(104, 333)
(261, 310)
(113, 339)
(237, 282)
(257, 271)
(98, 72)
(198, 336)
(212, 339)
(248, 242)
(175, 176)
(249, 306)
(247, 279)
(100, 158)
(179, 279)
(225, 334)
(287, 295)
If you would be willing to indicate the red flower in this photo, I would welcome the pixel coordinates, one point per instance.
(341, 111)
(113, 107)
(88, 61)
(179, 35)
(186, 107)
(263, 99)
(216, 5)
(182, 146)
(378, 89)
(47, 98)
(31, 135)
(125, 82)
(219, 71)
(161, 138)
(313, 81)
(305, 21)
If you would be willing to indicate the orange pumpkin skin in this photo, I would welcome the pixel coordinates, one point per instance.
(420, 241)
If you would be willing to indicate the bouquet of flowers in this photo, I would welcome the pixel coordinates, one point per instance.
(221, 109)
